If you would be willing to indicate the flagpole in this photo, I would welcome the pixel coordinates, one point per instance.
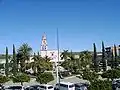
(58, 78)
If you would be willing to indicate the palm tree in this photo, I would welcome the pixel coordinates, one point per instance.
(48, 64)
(24, 55)
(70, 62)
(34, 64)
(40, 64)
(64, 55)
(85, 59)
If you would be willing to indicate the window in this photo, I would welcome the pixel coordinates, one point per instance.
(63, 85)
(71, 86)
(15, 87)
(43, 87)
(50, 87)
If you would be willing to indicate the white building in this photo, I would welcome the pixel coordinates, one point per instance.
(51, 53)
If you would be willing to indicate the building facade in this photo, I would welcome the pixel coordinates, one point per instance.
(51, 53)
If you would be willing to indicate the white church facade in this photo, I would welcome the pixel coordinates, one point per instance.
(51, 53)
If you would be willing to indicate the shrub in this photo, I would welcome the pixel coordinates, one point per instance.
(44, 78)
(101, 85)
(88, 75)
(111, 74)
(21, 77)
(3, 79)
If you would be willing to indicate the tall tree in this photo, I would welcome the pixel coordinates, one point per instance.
(95, 63)
(24, 55)
(6, 64)
(14, 61)
(112, 60)
(115, 56)
(103, 57)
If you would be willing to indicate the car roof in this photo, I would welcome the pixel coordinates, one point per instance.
(66, 83)
(45, 85)
(41, 85)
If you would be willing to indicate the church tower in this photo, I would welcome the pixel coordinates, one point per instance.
(44, 43)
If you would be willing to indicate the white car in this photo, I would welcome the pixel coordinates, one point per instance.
(14, 88)
(45, 87)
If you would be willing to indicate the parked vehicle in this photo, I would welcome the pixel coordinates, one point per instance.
(1, 86)
(81, 86)
(29, 88)
(15, 88)
(42, 87)
(65, 86)
(46, 87)
(116, 84)
(35, 87)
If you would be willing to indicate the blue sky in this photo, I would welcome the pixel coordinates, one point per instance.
(80, 23)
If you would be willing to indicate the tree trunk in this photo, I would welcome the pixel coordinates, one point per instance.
(22, 83)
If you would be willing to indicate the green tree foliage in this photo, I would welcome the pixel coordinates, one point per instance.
(104, 67)
(85, 59)
(75, 65)
(48, 64)
(1, 66)
(95, 62)
(20, 78)
(14, 68)
(89, 75)
(35, 63)
(70, 63)
(64, 55)
(41, 64)
(23, 55)
(111, 74)
(44, 78)
(115, 57)
(112, 60)
(3, 79)
(101, 85)
(7, 63)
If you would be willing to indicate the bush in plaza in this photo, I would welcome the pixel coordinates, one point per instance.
(3, 79)
(111, 74)
(100, 85)
(20, 77)
(44, 78)
(90, 76)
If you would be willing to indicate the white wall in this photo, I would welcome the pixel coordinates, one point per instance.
(53, 54)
